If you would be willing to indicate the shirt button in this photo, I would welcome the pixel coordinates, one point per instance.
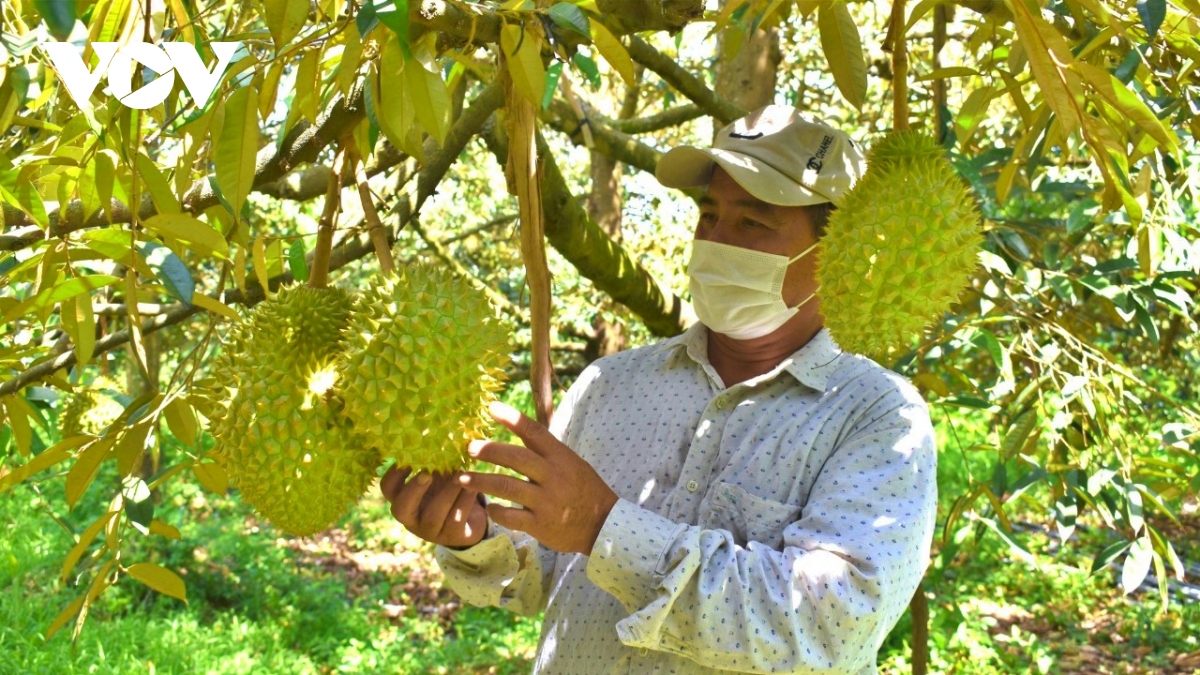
(692, 486)
(643, 651)
(722, 402)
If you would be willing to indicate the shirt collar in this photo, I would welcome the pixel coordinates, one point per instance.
(811, 365)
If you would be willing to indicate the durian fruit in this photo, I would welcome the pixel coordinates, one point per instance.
(281, 437)
(425, 357)
(899, 248)
(89, 409)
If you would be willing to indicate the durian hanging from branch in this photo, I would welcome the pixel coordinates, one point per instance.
(902, 244)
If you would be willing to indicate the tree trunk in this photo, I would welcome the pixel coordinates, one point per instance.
(604, 207)
(747, 68)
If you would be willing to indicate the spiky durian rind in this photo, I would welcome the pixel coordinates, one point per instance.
(900, 247)
(89, 409)
(281, 437)
(426, 355)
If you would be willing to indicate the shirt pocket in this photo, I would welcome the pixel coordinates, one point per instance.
(750, 517)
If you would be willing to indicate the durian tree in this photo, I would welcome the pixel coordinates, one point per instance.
(343, 138)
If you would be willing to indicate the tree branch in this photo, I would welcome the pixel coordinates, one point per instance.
(667, 118)
(586, 246)
(688, 84)
(473, 23)
(606, 140)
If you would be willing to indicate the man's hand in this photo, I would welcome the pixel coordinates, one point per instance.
(566, 502)
(435, 507)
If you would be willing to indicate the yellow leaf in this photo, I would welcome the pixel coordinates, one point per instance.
(285, 19)
(215, 306)
(270, 89)
(260, 264)
(160, 190)
(44, 460)
(932, 383)
(1128, 104)
(212, 477)
(613, 51)
(1051, 60)
(87, 465)
(85, 540)
(132, 446)
(523, 53)
(18, 421)
(159, 578)
(973, 111)
(181, 419)
(430, 98)
(135, 324)
(843, 51)
(237, 147)
(164, 530)
(195, 234)
(239, 269)
(61, 620)
(79, 320)
(351, 59)
(308, 84)
(396, 113)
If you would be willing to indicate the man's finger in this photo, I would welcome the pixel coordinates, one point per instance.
(518, 458)
(439, 499)
(407, 504)
(392, 481)
(504, 487)
(460, 513)
(535, 436)
(513, 519)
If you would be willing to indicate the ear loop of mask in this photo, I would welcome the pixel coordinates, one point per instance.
(814, 293)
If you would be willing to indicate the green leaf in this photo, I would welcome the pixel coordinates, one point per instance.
(588, 67)
(394, 15)
(181, 419)
(566, 15)
(1137, 564)
(296, 262)
(843, 50)
(430, 98)
(160, 190)
(160, 579)
(170, 270)
(197, 235)
(67, 288)
(138, 504)
(59, 16)
(1152, 13)
(237, 147)
(553, 73)
(1109, 554)
(1129, 104)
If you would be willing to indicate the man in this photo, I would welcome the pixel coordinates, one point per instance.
(744, 497)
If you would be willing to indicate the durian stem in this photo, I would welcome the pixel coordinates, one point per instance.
(318, 277)
(940, 17)
(899, 68)
(524, 180)
(374, 225)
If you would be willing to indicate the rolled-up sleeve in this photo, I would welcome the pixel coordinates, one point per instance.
(506, 569)
(825, 600)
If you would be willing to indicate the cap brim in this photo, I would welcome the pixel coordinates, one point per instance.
(688, 167)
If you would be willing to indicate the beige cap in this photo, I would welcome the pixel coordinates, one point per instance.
(777, 153)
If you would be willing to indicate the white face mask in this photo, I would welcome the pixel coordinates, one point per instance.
(739, 292)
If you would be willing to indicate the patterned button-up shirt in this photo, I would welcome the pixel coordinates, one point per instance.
(780, 525)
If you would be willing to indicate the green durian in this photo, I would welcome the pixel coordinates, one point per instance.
(426, 355)
(89, 409)
(899, 248)
(280, 435)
